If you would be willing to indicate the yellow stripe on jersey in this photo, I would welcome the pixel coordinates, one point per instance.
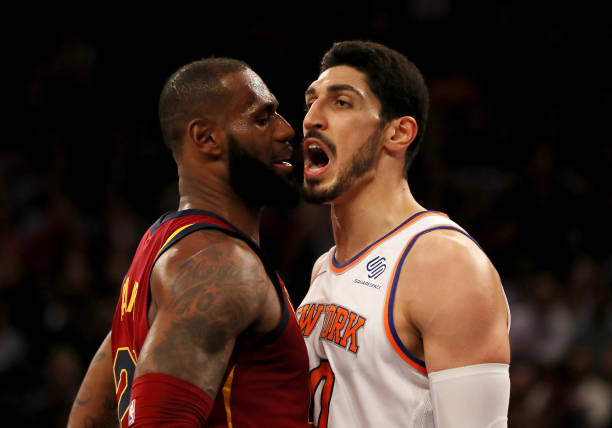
(176, 232)
(227, 392)
(288, 298)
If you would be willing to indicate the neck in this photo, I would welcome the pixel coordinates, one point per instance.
(215, 195)
(368, 212)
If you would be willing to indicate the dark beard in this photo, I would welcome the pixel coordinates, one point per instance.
(258, 184)
(362, 161)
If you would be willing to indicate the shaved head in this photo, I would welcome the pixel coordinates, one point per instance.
(196, 89)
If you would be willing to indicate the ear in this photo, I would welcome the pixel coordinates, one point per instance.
(400, 133)
(205, 136)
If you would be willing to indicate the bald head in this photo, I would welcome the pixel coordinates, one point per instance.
(194, 90)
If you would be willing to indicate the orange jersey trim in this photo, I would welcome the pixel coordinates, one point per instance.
(390, 336)
(367, 250)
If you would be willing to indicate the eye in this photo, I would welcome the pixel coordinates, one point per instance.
(342, 103)
(263, 121)
(309, 102)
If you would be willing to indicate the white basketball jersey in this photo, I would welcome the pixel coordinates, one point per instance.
(361, 373)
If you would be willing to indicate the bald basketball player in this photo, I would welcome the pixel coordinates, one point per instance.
(203, 333)
(406, 321)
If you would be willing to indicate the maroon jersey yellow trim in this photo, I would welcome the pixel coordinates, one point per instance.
(262, 372)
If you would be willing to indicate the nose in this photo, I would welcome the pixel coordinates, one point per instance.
(315, 119)
(283, 132)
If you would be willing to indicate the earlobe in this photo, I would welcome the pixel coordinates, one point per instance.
(205, 136)
(402, 132)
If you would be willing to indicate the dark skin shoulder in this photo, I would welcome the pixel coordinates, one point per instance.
(206, 290)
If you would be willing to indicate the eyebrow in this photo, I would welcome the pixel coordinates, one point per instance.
(335, 88)
(268, 107)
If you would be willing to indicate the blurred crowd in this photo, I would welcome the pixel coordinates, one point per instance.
(513, 153)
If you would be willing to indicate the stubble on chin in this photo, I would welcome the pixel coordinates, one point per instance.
(314, 193)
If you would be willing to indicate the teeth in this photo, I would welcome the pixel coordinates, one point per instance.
(313, 167)
(314, 147)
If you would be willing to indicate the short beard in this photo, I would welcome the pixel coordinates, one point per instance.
(256, 183)
(362, 161)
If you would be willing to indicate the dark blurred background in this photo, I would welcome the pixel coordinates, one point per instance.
(517, 151)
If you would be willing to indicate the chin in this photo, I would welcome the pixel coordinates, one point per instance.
(316, 195)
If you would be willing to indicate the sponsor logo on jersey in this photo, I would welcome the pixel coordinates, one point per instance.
(340, 325)
(376, 267)
(367, 283)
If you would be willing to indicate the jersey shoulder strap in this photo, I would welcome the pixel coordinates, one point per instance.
(192, 220)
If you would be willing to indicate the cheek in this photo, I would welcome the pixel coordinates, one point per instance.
(240, 128)
(351, 137)
(356, 122)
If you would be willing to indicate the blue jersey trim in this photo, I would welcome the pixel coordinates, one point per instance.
(394, 287)
(341, 265)
(233, 231)
(192, 211)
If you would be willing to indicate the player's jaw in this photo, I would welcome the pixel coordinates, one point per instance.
(261, 183)
(325, 179)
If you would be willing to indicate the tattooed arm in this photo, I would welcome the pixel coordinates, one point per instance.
(207, 290)
(96, 404)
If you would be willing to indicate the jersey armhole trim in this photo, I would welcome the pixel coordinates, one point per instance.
(272, 274)
(390, 329)
(170, 215)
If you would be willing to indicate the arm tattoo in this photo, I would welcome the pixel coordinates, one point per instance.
(110, 416)
(80, 401)
(100, 355)
(216, 294)
(85, 396)
(108, 422)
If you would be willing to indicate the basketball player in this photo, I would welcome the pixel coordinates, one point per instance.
(406, 322)
(203, 333)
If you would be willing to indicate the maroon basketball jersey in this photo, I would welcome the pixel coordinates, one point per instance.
(266, 383)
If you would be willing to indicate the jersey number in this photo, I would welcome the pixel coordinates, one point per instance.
(123, 368)
(324, 376)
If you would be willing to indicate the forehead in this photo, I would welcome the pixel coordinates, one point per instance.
(248, 90)
(341, 75)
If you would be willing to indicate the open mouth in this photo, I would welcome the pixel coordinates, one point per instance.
(316, 157)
